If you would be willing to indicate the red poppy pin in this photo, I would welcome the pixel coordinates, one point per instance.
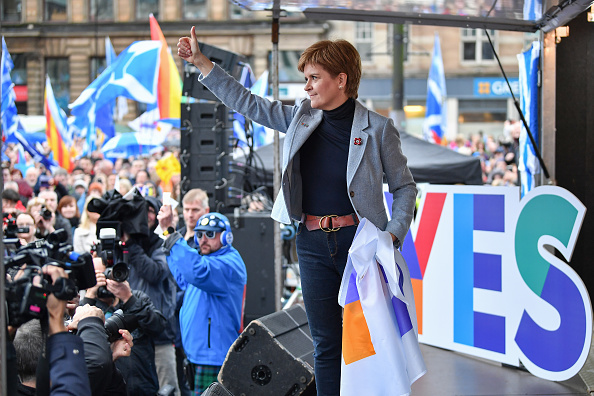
(358, 141)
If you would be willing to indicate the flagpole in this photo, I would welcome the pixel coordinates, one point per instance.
(278, 252)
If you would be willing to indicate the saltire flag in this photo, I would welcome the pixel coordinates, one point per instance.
(8, 110)
(532, 10)
(434, 125)
(380, 349)
(133, 75)
(170, 84)
(122, 103)
(528, 165)
(259, 134)
(241, 130)
(105, 126)
(49, 163)
(56, 129)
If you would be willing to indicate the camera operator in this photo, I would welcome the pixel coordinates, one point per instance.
(149, 273)
(65, 351)
(142, 319)
(100, 356)
(25, 220)
(51, 203)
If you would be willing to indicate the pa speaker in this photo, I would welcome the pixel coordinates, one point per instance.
(253, 237)
(273, 357)
(231, 62)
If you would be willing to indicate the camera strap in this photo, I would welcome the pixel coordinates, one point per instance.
(42, 382)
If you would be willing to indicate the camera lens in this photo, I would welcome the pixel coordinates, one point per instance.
(119, 272)
(113, 324)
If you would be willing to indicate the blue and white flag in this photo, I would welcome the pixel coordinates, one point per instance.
(133, 75)
(10, 119)
(434, 126)
(105, 115)
(380, 348)
(38, 157)
(528, 164)
(260, 135)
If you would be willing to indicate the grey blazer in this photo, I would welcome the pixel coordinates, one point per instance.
(375, 149)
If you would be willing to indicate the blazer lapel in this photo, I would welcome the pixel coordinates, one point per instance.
(358, 140)
(307, 123)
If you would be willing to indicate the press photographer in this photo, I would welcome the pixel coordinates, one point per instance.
(135, 218)
(138, 370)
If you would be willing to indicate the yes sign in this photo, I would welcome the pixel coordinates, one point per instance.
(487, 281)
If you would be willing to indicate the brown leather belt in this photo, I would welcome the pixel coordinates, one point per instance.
(329, 223)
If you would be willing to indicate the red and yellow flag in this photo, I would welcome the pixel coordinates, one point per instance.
(56, 129)
(170, 84)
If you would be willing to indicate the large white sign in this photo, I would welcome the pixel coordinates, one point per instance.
(487, 281)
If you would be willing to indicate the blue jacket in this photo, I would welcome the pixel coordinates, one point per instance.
(375, 151)
(211, 313)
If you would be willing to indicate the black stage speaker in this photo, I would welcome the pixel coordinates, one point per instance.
(273, 357)
(231, 62)
(253, 237)
(206, 143)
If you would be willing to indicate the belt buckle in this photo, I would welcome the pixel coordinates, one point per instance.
(329, 229)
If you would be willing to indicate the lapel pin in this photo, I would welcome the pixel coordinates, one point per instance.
(358, 141)
(305, 125)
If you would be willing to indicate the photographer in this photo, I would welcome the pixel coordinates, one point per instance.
(143, 321)
(44, 218)
(100, 356)
(51, 203)
(149, 273)
(65, 351)
(25, 220)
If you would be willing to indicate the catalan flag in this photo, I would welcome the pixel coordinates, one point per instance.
(170, 84)
(56, 128)
(380, 350)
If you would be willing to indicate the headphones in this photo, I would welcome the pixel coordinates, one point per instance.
(215, 222)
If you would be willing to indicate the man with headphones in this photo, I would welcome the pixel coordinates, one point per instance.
(214, 278)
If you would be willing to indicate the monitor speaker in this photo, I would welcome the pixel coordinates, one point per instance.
(273, 356)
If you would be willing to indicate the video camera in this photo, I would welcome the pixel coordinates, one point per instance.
(11, 230)
(26, 300)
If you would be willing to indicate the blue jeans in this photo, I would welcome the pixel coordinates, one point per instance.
(322, 259)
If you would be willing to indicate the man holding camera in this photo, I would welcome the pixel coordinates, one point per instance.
(214, 279)
(149, 273)
(51, 203)
(143, 321)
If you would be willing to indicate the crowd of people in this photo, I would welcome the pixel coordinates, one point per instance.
(499, 155)
(157, 303)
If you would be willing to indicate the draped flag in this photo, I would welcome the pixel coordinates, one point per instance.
(434, 126)
(170, 84)
(10, 119)
(380, 349)
(528, 165)
(56, 129)
(133, 75)
(240, 128)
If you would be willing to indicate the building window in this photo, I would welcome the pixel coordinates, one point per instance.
(58, 70)
(364, 40)
(98, 65)
(195, 9)
(101, 10)
(146, 7)
(287, 67)
(476, 47)
(10, 10)
(55, 10)
(19, 72)
(237, 12)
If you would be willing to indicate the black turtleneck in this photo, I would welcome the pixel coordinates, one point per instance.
(323, 160)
